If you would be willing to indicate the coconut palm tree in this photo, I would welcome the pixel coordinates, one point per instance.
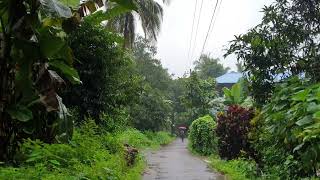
(149, 13)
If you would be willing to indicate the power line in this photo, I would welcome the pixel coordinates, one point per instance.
(194, 17)
(212, 22)
(195, 38)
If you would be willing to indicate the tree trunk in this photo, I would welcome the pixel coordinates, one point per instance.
(6, 96)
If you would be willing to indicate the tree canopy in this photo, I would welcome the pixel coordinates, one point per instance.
(208, 67)
(285, 43)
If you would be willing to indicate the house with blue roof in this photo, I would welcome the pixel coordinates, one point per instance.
(231, 78)
(227, 80)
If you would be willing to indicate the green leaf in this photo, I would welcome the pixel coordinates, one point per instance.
(255, 41)
(55, 8)
(71, 3)
(301, 95)
(227, 92)
(54, 162)
(21, 113)
(52, 22)
(50, 42)
(236, 93)
(28, 129)
(66, 54)
(128, 4)
(313, 107)
(304, 121)
(100, 16)
(68, 71)
(24, 53)
(316, 115)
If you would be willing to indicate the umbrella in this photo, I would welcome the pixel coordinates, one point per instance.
(182, 127)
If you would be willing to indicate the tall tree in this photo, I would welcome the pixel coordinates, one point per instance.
(208, 67)
(150, 13)
(285, 43)
(107, 72)
(154, 107)
(198, 95)
(149, 67)
(122, 16)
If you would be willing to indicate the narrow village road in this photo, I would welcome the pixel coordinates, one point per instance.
(175, 162)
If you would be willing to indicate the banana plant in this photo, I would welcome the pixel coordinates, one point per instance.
(235, 95)
(35, 62)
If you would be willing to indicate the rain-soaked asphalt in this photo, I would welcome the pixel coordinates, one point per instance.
(175, 162)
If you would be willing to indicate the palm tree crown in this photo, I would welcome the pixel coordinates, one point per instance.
(150, 14)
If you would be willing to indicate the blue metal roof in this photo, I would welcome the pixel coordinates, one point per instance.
(230, 78)
(234, 77)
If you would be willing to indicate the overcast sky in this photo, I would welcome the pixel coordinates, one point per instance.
(235, 17)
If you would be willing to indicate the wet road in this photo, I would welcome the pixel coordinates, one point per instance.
(175, 162)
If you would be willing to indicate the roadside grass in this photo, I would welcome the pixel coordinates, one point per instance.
(238, 169)
(90, 155)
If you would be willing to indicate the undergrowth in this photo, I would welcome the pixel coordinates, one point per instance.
(237, 169)
(92, 154)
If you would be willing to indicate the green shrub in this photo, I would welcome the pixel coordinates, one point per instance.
(237, 169)
(160, 137)
(152, 110)
(138, 139)
(135, 138)
(91, 154)
(115, 122)
(232, 130)
(289, 137)
(202, 137)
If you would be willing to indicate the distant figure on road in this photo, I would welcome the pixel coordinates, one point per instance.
(182, 132)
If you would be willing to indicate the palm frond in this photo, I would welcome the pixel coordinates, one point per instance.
(151, 14)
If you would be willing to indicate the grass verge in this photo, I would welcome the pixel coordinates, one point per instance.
(238, 169)
(92, 154)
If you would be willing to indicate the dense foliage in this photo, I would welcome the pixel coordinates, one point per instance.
(106, 72)
(151, 112)
(232, 131)
(202, 138)
(290, 129)
(33, 54)
(92, 154)
(149, 67)
(285, 43)
(198, 95)
(153, 107)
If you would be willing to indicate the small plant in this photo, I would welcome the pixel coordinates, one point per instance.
(236, 94)
(202, 137)
(232, 131)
